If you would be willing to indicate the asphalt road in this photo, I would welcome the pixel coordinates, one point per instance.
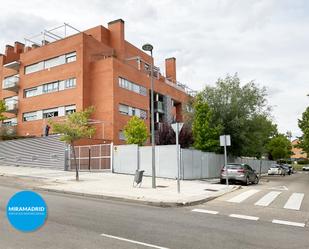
(76, 222)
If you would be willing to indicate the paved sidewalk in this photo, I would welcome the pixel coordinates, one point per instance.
(119, 186)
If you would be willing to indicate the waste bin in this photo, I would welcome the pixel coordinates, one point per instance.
(138, 177)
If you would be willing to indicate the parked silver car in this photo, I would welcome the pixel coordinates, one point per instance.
(238, 172)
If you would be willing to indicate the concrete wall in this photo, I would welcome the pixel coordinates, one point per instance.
(195, 164)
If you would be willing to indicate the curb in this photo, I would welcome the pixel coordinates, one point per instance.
(136, 201)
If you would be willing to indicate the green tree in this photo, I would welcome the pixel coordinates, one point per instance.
(2, 110)
(279, 147)
(303, 124)
(205, 134)
(239, 109)
(75, 127)
(136, 131)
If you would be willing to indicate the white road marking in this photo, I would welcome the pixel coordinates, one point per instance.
(289, 223)
(279, 188)
(246, 217)
(294, 202)
(132, 241)
(205, 211)
(267, 199)
(243, 196)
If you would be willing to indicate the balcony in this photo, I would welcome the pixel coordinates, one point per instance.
(13, 65)
(159, 106)
(7, 130)
(11, 106)
(11, 83)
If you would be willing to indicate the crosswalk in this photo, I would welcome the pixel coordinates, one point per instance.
(294, 201)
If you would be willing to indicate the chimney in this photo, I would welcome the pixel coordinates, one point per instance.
(19, 47)
(116, 29)
(170, 69)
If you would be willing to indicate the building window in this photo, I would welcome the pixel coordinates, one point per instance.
(53, 62)
(50, 113)
(9, 122)
(123, 83)
(147, 67)
(56, 61)
(70, 83)
(121, 135)
(29, 116)
(70, 109)
(34, 67)
(132, 111)
(30, 92)
(51, 87)
(70, 57)
(124, 109)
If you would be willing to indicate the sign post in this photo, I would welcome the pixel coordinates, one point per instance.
(225, 140)
(177, 128)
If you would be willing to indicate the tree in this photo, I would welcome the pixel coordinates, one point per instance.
(205, 134)
(75, 127)
(303, 124)
(136, 131)
(243, 113)
(166, 136)
(279, 147)
(2, 110)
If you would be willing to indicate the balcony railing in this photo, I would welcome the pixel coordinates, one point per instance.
(13, 65)
(11, 83)
(11, 106)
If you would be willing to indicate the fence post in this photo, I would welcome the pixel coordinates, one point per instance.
(89, 157)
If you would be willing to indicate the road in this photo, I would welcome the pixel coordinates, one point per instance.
(75, 222)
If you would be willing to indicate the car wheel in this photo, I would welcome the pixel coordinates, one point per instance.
(247, 182)
(256, 181)
(222, 181)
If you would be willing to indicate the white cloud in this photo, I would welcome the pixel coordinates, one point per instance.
(262, 40)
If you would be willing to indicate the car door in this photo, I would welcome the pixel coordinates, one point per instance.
(251, 173)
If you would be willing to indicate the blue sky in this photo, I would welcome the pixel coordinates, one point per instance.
(262, 40)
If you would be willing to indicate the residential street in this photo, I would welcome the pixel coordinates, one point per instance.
(76, 222)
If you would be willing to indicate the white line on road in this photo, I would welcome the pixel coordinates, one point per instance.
(246, 217)
(243, 196)
(294, 202)
(267, 199)
(132, 241)
(289, 223)
(205, 211)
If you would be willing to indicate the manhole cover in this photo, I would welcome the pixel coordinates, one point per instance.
(213, 190)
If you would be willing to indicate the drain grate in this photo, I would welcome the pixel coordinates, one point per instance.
(161, 186)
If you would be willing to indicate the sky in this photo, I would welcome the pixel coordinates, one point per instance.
(261, 40)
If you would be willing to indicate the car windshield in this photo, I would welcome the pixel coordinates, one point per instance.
(275, 166)
(234, 166)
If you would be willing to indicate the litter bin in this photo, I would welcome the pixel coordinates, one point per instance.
(138, 178)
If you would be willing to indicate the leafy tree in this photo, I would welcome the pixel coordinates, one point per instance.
(205, 133)
(2, 110)
(75, 127)
(243, 113)
(303, 124)
(136, 131)
(279, 147)
(166, 135)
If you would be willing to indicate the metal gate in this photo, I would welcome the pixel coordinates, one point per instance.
(91, 157)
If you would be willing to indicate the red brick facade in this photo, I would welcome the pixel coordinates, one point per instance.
(96, 67)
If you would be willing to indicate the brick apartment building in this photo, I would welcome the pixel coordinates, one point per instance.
(96, 67)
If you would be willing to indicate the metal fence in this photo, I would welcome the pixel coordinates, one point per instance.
(44, 152)
(195, 164)
(91, 157)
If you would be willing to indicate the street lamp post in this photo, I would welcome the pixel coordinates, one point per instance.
(149, 47)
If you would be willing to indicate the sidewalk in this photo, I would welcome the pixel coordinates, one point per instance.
(106, 185)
